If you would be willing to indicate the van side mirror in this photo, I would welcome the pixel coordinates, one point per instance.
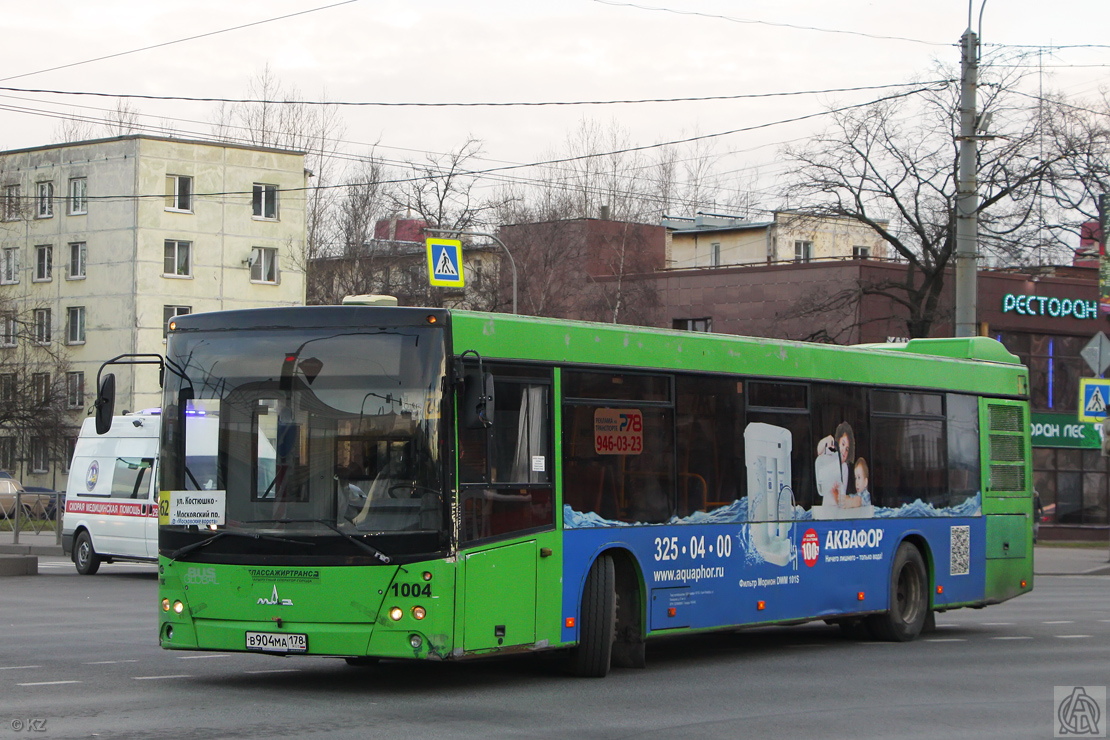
(477, 404)
(105, 403)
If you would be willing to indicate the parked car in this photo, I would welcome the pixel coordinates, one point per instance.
(48, 506)
(34, 503)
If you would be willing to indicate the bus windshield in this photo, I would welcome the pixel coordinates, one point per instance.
(323, 442)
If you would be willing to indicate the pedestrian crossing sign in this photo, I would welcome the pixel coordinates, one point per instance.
(1094, 394)
(445, 264)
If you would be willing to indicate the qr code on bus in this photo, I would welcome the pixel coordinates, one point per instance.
(959, 563)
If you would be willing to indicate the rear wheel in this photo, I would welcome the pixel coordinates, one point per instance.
(909, 598)
(84, 556)
(594, 654)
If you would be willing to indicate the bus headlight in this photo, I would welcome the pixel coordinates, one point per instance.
(396, 613)
(178, 607)
(165, 605)
(418, 612)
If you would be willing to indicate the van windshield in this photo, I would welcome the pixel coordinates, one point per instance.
(319, 439)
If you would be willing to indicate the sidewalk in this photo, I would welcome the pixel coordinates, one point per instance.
(30, 543)
(1047, 561)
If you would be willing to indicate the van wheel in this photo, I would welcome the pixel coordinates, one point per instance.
(84, 556)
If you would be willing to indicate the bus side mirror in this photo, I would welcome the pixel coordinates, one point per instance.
(477, 405)
(105, 403)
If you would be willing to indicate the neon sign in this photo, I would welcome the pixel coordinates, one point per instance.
(1057, 308)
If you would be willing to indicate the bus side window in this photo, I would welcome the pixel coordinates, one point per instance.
(505, 471)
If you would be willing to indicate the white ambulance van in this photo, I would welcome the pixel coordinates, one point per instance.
(112, 499)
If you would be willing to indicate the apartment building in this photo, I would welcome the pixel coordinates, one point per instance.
(707, 240)
(103, 241)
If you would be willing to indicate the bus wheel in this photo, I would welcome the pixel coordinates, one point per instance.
(628, 643)
(84, 556)
(909, 598)
(594, 654)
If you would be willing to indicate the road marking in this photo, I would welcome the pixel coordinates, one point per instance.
(110, 662)
(159, 678)
(277, 670)
(200, 657)
(998, 624)
(1013, 637)
(946, 639)
(1071, 637)
(46, 683)
(1061, 621)
(18, 667)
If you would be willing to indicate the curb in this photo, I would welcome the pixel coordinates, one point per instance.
(19, 565)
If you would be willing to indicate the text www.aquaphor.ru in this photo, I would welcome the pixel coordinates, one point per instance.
(700, 573)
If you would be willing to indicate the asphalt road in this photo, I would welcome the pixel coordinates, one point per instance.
(79, 659)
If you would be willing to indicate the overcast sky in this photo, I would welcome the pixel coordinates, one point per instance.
(436, 51)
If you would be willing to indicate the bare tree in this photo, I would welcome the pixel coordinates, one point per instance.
(892, 166)
(33, 388)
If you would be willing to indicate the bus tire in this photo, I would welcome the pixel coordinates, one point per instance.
(909, 598)
(628, 641)
(597, 624)
(84, 556)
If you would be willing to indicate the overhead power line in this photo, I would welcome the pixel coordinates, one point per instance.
(550, 162)
(795, 26)
(470, 104)
(176, 41)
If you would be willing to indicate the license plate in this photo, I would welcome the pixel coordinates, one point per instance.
(277, 642)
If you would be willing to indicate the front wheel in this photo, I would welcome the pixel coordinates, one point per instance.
(84, 556)
(598, 622)
(909, 598)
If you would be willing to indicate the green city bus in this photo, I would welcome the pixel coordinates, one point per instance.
(410, 483)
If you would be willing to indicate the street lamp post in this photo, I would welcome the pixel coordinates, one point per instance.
(512, 262)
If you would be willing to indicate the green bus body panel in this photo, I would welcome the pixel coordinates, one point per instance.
(1006, 536)
(499, 597)
(224, 602)
(552, 340)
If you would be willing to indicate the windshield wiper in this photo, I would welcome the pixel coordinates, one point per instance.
(378, 554)
(252, 535)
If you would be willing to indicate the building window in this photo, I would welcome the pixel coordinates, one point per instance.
(78, 253)
(7, 453)
(265, 201)
(178, 259)
(705, 324)
(45, 200)
(264, 265)
(75, 325)
(78, 196)
(7, 331)
(803, 251)
(71, 447)
(13, 205)
(40, 455)
(75, 390)
(170, 312)
(179, 193)
(44, 263)
(9, 266)
(861, 253)
(40, 388)
(7, 388)
(42, 325)
(715, 254)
